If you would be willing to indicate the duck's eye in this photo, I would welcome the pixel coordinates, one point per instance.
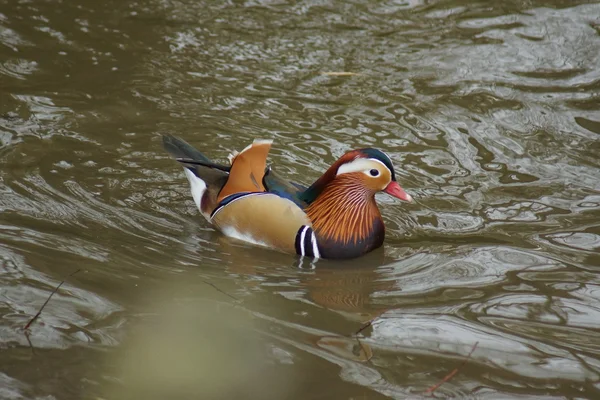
(374, 172)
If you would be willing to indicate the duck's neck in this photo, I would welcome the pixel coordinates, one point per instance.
(345, 214)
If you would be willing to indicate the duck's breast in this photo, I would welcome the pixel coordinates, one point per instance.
(261, 218)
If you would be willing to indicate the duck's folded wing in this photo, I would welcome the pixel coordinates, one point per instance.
(261, 218)
(247, 169)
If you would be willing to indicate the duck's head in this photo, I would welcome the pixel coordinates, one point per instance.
(374, 169)
(369, 169)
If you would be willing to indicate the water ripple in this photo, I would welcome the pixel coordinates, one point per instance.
(489, 113)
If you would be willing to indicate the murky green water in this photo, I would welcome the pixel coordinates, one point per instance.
(490, 111)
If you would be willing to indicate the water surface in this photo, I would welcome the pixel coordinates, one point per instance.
(489, 110)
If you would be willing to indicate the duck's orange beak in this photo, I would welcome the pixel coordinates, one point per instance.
(395, 190)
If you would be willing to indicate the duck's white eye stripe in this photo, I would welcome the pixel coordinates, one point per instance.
(359, 165)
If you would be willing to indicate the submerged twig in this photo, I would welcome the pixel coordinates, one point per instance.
(452, 373)
(369, 323)
(26, 333)
(221, 291)
(365, 326)
(362, 328)
(48, 299)
(364, 349)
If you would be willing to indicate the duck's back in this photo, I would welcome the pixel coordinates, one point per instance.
(248, 212)
(237, 203)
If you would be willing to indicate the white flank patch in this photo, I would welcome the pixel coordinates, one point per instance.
(359, 165)
(197, 186)
(235, 234)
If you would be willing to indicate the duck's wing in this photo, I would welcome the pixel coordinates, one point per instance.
(212, 183)
(247, 170)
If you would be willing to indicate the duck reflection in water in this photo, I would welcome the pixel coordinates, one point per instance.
(344, 286)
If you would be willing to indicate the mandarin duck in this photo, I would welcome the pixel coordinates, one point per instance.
(336, 217)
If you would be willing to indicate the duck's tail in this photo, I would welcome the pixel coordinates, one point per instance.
(206, 177)
(185, 153)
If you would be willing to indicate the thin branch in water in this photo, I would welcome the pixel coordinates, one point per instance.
(222, 291)
(454, 372)
(48, 299)
(362, 328)
(369, 323)
(364, 349)
(26, 333)
(365, 326)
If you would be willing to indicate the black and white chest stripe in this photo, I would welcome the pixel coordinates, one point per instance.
(306, 242)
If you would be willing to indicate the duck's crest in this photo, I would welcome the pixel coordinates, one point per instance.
(381, 156)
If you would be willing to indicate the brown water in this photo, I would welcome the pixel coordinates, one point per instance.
(490, 111)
